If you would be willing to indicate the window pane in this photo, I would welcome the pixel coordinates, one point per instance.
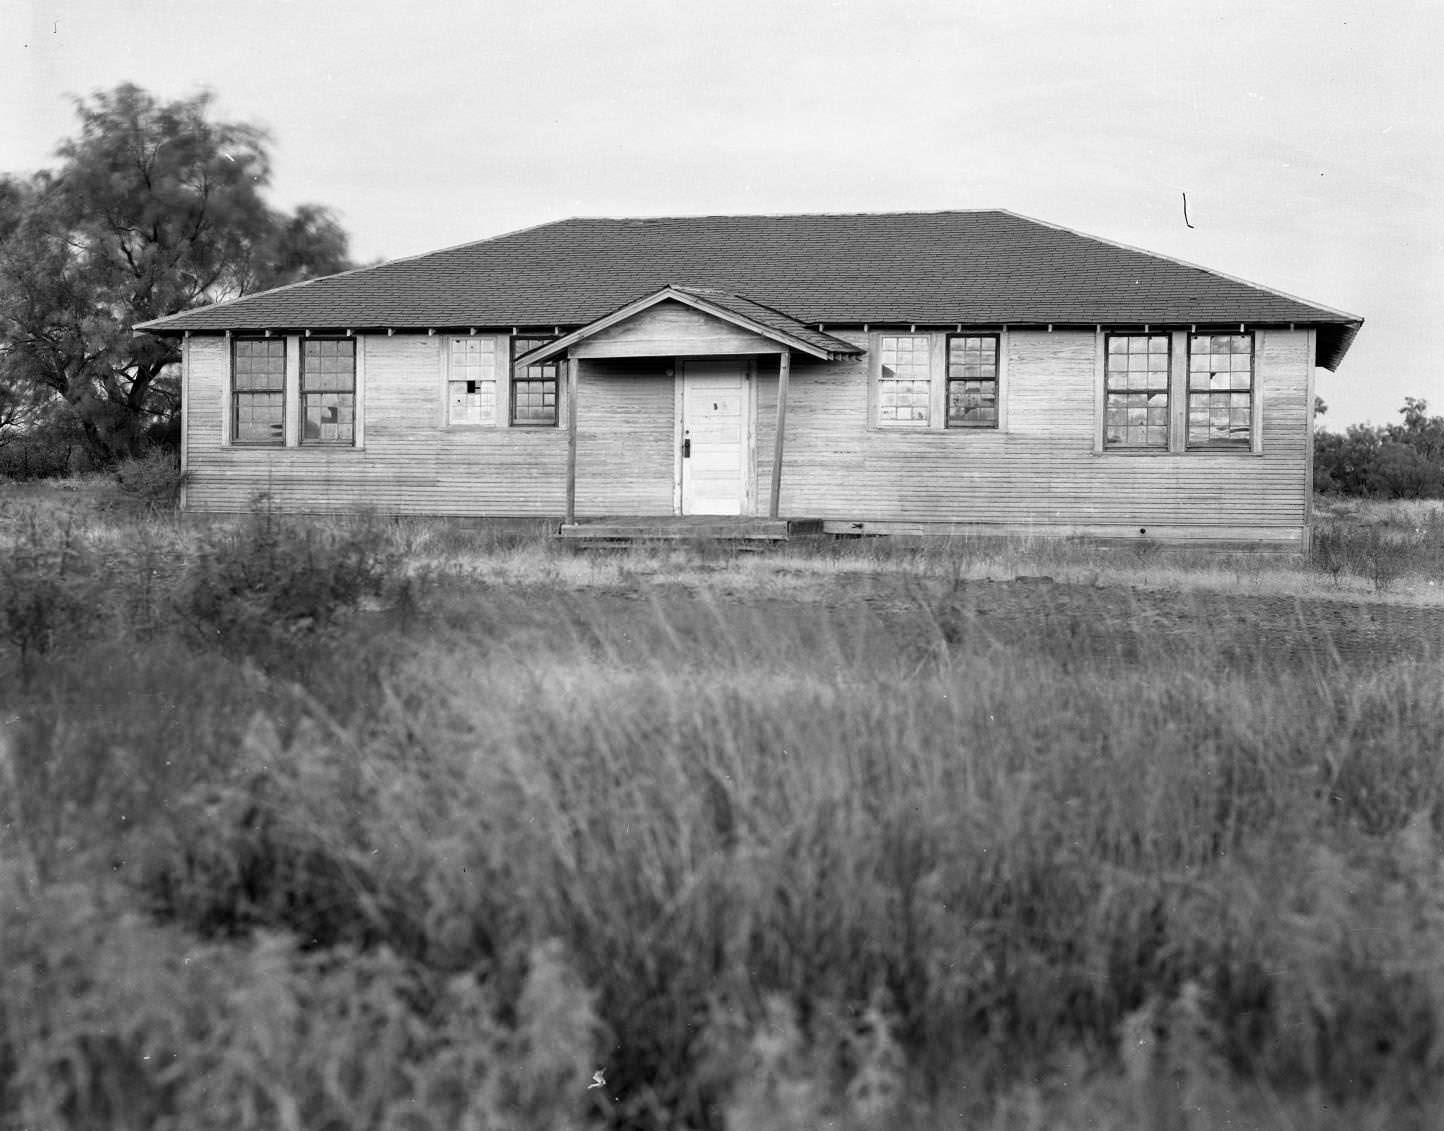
(328, 364)
(471, 402)
(1144, 365)
(259, 418)
(1136, 420)
(328, 418)
(534, 401)
(259, 364)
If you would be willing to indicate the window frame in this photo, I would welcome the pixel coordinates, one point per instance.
(1166, 390)
(302, 439)
(235, 393)
(1250, 442)
(938, 339)
(518, 374)
(948, 422)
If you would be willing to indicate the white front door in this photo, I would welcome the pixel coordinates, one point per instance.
(715, 430)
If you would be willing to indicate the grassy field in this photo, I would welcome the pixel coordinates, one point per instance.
(370, 824)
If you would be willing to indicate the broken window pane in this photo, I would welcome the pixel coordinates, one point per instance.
(471, 380)
(328, 390)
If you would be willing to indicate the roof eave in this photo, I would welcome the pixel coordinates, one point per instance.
(158, 327)
(1334, 340)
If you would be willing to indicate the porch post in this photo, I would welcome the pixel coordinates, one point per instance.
(573, 368)
(784, 369)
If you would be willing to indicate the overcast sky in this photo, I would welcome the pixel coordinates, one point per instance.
(1307, 135)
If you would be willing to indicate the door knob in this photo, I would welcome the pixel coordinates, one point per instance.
(687, 448)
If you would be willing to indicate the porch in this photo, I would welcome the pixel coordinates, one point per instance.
(712, 349)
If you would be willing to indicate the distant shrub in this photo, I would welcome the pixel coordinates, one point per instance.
(48, 450)
(273, 580)
(1395, 461)
(151, 482)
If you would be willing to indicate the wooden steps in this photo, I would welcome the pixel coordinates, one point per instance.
(672, 528)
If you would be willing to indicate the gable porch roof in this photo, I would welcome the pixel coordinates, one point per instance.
(735, 309)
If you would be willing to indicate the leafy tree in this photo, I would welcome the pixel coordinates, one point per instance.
(153, 209)
(1423, 433)
(1396, 461)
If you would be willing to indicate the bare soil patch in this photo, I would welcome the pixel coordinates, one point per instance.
(888, 618)
(1133, 624)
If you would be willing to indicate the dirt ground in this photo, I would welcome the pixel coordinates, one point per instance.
(1125, 622)
(876, 618)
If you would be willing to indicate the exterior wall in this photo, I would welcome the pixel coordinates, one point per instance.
(1043, 469)
(411, 462)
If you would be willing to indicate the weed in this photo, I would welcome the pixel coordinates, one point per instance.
(273, 581)
(277, 852)
(51, 590)
(1369, 552)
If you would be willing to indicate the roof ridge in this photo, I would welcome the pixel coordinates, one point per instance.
(787, 215)
(1344, 314)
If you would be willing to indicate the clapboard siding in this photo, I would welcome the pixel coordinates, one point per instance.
(626, 415)
(1042, 468)
(404, 389)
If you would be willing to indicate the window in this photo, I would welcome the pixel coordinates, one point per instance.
(1220, 391)
(1136, 392)
(904, 383)
(973, 381)
(534, 389)
(328, 390)
(471, 381)
(258, 391)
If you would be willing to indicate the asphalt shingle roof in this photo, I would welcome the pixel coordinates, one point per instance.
(934, 268)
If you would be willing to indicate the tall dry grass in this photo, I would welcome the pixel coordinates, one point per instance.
(436, 857)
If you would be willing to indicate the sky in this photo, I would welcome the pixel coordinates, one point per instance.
(1308, 136)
